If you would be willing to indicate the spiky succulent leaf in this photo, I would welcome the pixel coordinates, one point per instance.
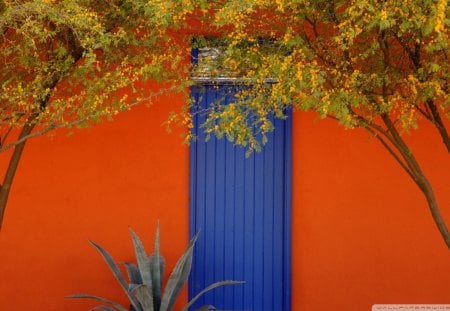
(143, 294)
(178, 277)
(133, 273)
(156, 271)
(142, 259)
(101, 299)
(162, 265)
(207, 289)
(103, 308)
(116, 272)
(131, 287)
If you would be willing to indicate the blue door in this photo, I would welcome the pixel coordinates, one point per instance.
(243, 208)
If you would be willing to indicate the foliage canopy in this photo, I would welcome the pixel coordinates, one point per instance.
(355, 61)
(66, 63)
(373, 64)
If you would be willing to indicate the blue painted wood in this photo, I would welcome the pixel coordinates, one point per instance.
(243, 208)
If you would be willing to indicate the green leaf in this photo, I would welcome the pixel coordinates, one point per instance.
(178, 277)
(103, 308)
(133, 273)
(157, 270)
(142, 259)
(434, 67)
(116, 272)
(142, 293)
(384, 24)
(86, 296)
(207, 289)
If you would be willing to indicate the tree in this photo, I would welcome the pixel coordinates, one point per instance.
(71, 63)
(372, 64)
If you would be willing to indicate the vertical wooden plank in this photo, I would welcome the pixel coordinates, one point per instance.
(249, 230)
(287, 212)
(258, 234)
(238, 217)
(208, 229)
(219, 247)
(198, 213)
(229, 220)
(278, 214)
(267, 224)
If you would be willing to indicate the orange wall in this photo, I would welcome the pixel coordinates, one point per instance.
(361, 230)
(362, 233)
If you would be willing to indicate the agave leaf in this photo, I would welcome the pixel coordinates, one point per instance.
(155, 264)
(207, 289)
(142, 259)
(145, 298)
(132, 287)
(103, 308)
(162, 265)
(178, 277)
(87, 296)
(206, 308)
(133, 273)
(116, 272)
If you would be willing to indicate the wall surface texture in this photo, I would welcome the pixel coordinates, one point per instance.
(362, 233)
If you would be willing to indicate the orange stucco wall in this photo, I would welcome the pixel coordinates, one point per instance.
(362, 233)
(361, 230)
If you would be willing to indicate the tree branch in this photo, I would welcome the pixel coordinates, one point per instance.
(54, 126)
(438, 123)
(433, 114)
(12, 167)
(424, 113)
(420, 180)
(76, 53)
(416, 172)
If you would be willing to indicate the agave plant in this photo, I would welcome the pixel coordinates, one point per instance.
(144, 289)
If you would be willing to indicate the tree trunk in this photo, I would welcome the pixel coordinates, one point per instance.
(12, 168)
(427, 190)
(76, 51)
(439, 124)
(415, 171)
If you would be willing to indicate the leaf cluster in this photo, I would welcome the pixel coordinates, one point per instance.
(354, 61)
(66, 63)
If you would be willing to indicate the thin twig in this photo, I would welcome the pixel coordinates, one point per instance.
(54, 126)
